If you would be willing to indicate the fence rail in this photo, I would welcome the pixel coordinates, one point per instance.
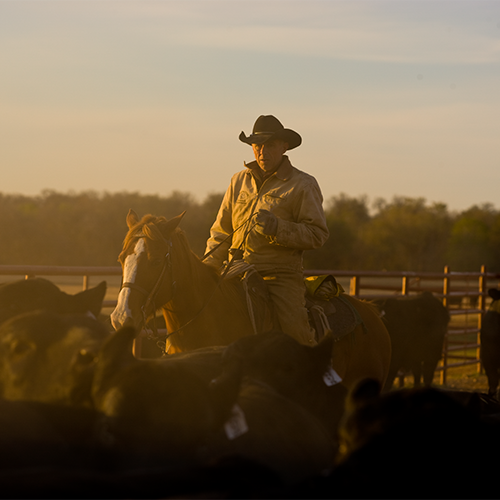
(463, 293)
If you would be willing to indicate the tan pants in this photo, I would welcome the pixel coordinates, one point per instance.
(287, 292)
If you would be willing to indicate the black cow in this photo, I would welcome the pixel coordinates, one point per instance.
(157, 416)
(34, 294)
(34, 434)
(153, 406)
(168, 412)
(411, 443)
(300, 373)
(417, 326)
(490, 342)
(194, 405)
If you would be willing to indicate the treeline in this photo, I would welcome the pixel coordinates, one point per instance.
(405, 234)
(87, 229)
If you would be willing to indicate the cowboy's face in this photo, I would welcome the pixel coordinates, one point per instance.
(269, 154)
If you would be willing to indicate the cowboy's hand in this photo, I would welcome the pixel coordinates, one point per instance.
(268, 221)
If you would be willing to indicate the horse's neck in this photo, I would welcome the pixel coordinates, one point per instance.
(205, 310)
(195, 283)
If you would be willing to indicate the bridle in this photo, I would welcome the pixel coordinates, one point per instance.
(151, 296)
(167, 265)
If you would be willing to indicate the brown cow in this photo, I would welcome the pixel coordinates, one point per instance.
(49, 357)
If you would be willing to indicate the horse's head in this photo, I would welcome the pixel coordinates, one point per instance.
(147, 269)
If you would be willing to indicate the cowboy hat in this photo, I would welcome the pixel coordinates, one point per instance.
(267, 127)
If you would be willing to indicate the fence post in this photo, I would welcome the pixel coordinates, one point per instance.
(354, 288)
(446, 290)
(481, 303)
(405, 286)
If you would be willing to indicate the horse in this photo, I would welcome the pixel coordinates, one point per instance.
(202, 308)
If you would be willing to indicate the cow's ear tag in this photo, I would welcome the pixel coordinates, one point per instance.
(236, 424)
(331, 377)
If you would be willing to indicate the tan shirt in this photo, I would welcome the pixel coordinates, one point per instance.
(292, 195)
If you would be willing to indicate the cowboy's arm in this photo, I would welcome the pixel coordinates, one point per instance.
(220, 230)
(310, 229)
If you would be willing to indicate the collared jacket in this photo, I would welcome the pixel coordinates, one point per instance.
(292, 195)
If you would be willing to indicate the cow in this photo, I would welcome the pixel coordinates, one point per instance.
(184, 411)
(49, 340)
(34, 434)
(33, 294)
(203, 409)
(417, 326)
(411, 443)
(49, 357)
(490, 342)
(62, 447)
(298, 372)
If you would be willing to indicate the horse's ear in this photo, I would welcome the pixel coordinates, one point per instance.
(132, 219)
(172, 224)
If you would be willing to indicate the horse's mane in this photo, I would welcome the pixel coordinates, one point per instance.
(188, 259)
(137, 230)
(150, 226)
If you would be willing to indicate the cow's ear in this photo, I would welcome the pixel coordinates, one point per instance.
(132, 218)
(363, 392)
(90, 300)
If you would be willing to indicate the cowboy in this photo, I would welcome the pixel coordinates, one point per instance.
(270, 213)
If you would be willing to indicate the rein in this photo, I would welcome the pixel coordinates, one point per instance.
(230, 235)
(223, 275)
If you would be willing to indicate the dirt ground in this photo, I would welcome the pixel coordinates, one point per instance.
(472, 381)
(460, 378)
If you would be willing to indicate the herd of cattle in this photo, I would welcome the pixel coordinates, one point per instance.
(82, 417)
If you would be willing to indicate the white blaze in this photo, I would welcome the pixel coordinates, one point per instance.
(122, 311)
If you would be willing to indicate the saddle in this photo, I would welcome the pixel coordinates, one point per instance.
(328, 310)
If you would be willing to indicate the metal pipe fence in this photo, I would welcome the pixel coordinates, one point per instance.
(463, 293)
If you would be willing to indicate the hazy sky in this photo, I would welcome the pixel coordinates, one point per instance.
(392, 98)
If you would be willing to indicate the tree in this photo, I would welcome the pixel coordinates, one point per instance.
(408, 235)
(475, 239)
(346, 219)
